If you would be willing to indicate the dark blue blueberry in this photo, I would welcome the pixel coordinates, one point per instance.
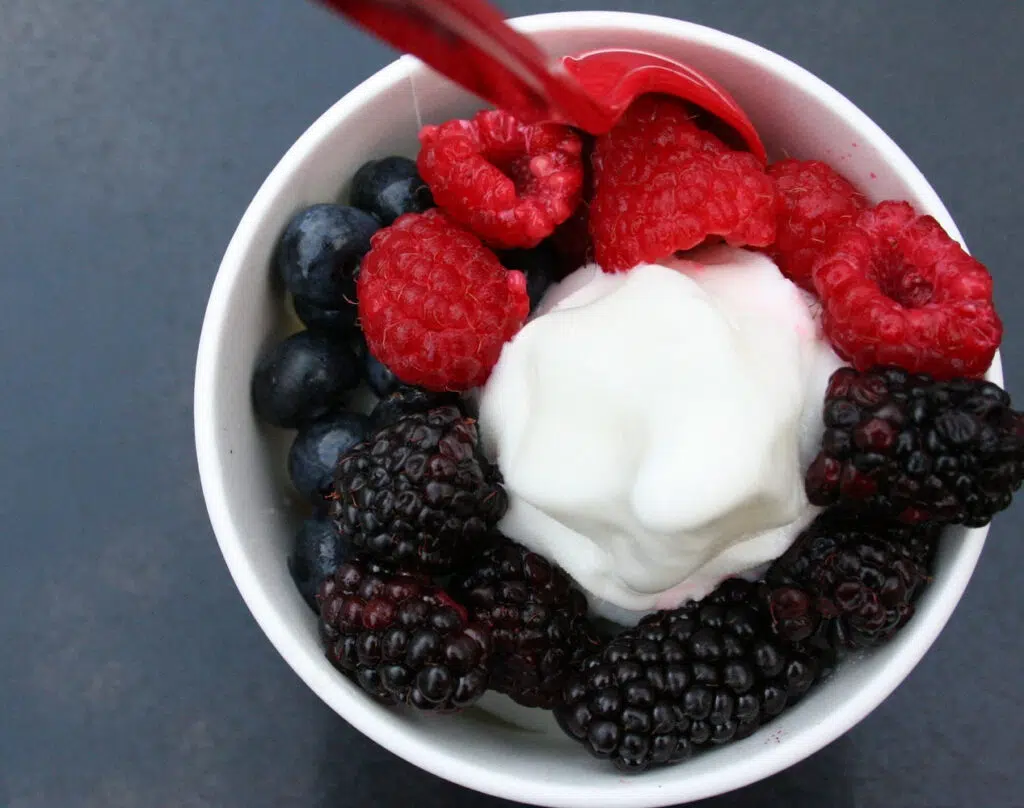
(320, 251)
(303, 378)
(540, 265)
(407, 400)
(389, 188)
(318, 551)
(379, 376)
(317, 449)
(338, 322)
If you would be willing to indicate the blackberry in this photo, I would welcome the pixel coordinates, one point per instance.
(406, 400)
(917, 449)
(401, 639)
(703, 675)
(419, 495)
(848, 583)
(537, 618)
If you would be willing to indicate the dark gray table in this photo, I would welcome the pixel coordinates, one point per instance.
(132, 136)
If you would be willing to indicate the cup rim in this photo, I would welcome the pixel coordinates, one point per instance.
(645, 791)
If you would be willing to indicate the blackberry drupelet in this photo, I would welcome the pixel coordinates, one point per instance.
(847, 582)
(917, 449)
(706, 674)
(537, 618)
(419, 495)
(401, 639)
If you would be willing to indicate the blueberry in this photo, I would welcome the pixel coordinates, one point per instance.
(379, 376)
(318, 551)
(389, 188)
(339, 322)
(540, 265)
(317, 449)
(303, 378)
(320, 251)
(407, 400)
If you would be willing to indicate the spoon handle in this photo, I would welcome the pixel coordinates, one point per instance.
(470, 42)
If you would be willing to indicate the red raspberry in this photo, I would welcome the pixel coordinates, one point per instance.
(435, 305)
(897, 290)
(814, 200)
(510, 183)
(662, 184)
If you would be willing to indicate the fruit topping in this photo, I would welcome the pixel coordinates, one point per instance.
(339, 322)
(540, 266)
(319, 254)
(407, 400)
(318, 447)
(708, 673)
(848, 582)
(435, 305)
(510, 183)
(917, 449)
(662, 184)
(814, 200)
(537, 618)
(318, 550)
(390, 188)
(419, 494)
(401, 639)
(303, 378)
(897, 290)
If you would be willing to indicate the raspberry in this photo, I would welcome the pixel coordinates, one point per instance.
(510, 183)
(435, 305)
(662, 184)
(813, 201)
(897, 290)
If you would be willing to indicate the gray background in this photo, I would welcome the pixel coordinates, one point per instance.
(132, 136)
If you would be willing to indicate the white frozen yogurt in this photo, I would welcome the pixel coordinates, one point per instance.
(653, 426)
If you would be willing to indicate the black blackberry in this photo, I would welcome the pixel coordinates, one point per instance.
(847, 582)
(702, 675)
(918, 449)
(419, 495)
(401, 639)
(407, 400)
(537, 618)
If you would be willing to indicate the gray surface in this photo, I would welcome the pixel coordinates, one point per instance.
(132, 136)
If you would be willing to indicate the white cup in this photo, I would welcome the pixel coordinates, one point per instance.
(522, 756)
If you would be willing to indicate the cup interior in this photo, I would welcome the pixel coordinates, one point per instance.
(499, 748)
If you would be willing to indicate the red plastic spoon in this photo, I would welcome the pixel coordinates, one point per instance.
(470, 43)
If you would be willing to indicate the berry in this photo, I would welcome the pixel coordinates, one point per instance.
(537, 618)
(435, 305)
(379, 376)
(540, 266)
(318, 447)
(302, 378)
(340, 322)
(916, 449)
(510, 183)
(390, 188)
(320, 251)
(896, 290)
(407, 400)
(401, 639)
(814, 201)
(705, 674)
(849, 583)
(318, 550)
(419, 495)
(662, 184)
